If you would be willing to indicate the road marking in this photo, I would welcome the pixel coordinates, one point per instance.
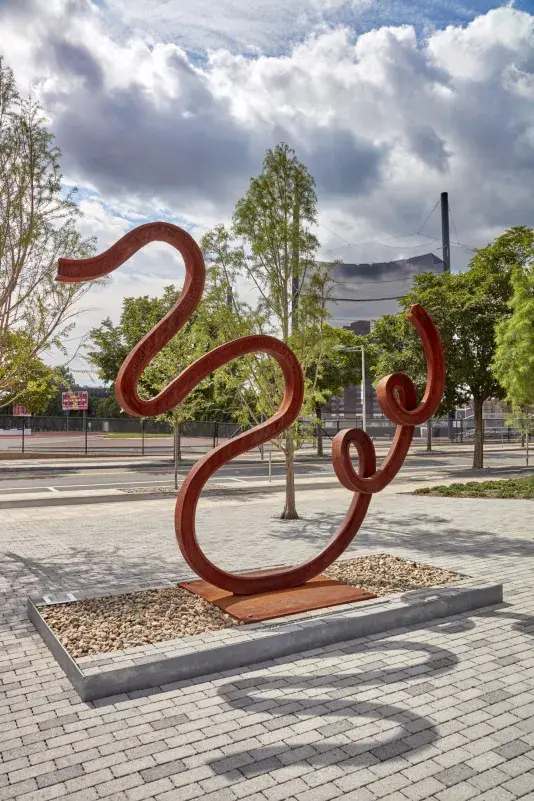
(112, 484)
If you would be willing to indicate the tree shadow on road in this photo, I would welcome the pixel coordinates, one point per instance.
(417, 531)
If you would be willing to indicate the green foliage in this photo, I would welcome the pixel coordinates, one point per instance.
(270, 246)
(212, 399)
(37, 226)
(466, 308)
(338, 369)
(105, 407)
(110, 344)
(509, 488)
(33, 383)
(514, 357)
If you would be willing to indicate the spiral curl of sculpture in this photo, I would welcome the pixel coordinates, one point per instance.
(396, 397)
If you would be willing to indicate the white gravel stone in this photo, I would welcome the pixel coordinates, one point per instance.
(114, 622)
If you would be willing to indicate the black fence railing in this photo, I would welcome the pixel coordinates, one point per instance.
(457, 430)
(107, 436)
(71, 434)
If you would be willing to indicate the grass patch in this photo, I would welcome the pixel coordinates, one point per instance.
(507, 488)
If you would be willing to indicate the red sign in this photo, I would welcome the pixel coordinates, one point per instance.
(20, 411)
(74, 401)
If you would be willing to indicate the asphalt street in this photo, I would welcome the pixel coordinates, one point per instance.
(21, 477)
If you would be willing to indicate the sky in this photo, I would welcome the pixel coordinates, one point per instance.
(163, 109)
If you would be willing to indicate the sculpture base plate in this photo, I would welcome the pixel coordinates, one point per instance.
(318, 593)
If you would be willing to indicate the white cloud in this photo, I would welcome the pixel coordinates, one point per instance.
(385, 121)
(266, 25)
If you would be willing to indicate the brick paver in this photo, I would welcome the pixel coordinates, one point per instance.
(441, 712)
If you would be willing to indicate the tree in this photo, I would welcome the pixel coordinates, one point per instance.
(399, 350)
(37, 226)
(491, 270)
(105, 407)
(339, 368)
(466, 309)
(109, 345)
(514, 356)
(38, 383)
(513, 364)
(271, 245)
(65, 382)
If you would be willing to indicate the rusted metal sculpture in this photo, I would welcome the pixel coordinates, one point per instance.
(396, 396)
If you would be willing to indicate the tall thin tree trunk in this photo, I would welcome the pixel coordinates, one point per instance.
(177, 449)
(318, 414)
(290, 508)
(429, 435)
(478, 453)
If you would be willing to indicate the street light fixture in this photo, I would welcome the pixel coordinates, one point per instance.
(345, 349)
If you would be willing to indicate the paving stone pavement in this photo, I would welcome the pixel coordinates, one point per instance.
(439, 712)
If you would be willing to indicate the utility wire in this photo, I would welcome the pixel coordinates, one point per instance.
(453, 225)
(334, 233)
(366, 300)
(382, 243)
(429, 216)
(389, 238)
(388, 281)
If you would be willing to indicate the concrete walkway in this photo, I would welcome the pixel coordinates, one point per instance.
(443, 712)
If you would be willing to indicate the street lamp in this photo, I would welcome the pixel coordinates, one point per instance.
(345, 349)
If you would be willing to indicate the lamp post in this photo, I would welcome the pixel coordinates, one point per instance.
(344, 349)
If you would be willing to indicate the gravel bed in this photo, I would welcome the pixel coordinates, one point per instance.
(385, 575)
(114, 622)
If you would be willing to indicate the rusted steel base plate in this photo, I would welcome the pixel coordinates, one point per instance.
(317, 593)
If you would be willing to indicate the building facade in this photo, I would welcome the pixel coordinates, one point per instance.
(350, 404)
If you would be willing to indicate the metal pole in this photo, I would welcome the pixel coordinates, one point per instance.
(85, 428)
(527, 439)
(364, 399)
(270, 465)
(295, 268)
(445, 238)
(23, 427)
(142, 436)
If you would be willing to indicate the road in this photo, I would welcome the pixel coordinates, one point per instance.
(84, 475)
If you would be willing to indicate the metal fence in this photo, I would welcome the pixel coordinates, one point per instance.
(107, 436)
(457, 430)
(135, 436)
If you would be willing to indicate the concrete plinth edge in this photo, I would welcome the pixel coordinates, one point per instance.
(264, 642)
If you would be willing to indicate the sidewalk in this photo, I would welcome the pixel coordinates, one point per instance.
(442, 713)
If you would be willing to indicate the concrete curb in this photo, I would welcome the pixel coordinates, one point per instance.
(264, 642)
(116, 496)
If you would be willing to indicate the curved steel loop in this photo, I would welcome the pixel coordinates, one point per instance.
(398, 399)
(74, 270)
(126, 389)
(435, 376)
